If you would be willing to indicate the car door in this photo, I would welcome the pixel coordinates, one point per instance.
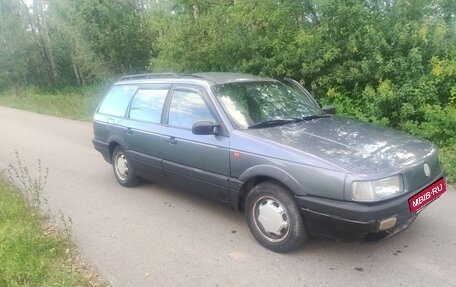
(144, 130)
(198, 162)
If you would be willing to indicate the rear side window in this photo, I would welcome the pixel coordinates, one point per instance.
(116, 101)
(147, 105)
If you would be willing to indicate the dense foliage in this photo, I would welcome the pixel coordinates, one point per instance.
(392, 62)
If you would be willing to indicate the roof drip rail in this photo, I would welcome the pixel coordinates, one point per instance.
(148, 76)
(191, 76)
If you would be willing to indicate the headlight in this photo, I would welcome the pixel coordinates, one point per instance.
(377, 189)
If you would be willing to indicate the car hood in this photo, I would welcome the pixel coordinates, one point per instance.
(349, 144)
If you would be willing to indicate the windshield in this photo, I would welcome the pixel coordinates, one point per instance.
(251, 103)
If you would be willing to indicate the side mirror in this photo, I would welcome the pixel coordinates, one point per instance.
(329, 110)
(205, 128)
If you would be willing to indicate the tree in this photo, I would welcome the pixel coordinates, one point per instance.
(14, 45)
(38, 24)
(115, 32)
(76, 62)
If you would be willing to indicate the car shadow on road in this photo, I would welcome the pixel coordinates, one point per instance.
(227, 220)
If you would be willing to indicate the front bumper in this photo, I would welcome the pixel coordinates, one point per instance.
(343, 220)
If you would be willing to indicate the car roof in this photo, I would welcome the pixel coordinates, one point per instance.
(210, 77)
(223, 78)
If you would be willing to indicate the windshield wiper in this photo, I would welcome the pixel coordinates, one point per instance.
(312, 117)
(277, 122)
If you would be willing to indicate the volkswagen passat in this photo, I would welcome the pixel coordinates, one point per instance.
(268, 148)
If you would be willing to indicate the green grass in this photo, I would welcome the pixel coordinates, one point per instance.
(32, 253)
(73, 103)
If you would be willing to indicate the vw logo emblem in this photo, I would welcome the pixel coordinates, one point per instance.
(427, 169)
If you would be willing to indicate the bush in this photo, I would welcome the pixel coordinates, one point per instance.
(448, 158)
(438, 125)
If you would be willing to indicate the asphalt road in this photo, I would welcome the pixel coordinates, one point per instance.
(159, 236)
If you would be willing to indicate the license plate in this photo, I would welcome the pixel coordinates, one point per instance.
(427, 195)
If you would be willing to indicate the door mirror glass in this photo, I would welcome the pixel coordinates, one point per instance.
(204, 128)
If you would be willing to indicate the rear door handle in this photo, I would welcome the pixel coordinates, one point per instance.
(171, 140)
(109, 123)
(129, 131)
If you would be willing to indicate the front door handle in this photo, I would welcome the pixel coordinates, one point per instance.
(129, 131)
(171, 140)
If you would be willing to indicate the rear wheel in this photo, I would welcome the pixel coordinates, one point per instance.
(273, 217)
(123, 170)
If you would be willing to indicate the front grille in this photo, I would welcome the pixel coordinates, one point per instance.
(414, 177)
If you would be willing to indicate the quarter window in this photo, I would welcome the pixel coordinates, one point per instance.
(147, 105)
(187, 107)
(116, 101)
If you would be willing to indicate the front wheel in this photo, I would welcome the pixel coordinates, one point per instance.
(123, 170)
(273, 217)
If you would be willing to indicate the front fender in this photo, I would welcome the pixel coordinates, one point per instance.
(275, 173)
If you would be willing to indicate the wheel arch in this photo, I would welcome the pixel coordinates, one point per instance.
(258, 174)
(113, 142)
(111, 147)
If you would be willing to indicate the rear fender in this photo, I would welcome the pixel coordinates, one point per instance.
(115, 140)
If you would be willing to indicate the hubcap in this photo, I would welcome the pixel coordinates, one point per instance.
(271, 219)
(121, 166)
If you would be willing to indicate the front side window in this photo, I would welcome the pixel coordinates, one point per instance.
(147, 105)
(187, 107)
(116, 101)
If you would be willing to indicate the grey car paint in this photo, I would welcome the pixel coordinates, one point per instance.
(350, 145)
(331, 149)
(316, 159)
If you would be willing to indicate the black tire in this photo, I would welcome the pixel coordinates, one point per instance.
(284, 229)
(123, 171)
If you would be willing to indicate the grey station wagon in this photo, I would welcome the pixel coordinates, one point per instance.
(267, 147)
